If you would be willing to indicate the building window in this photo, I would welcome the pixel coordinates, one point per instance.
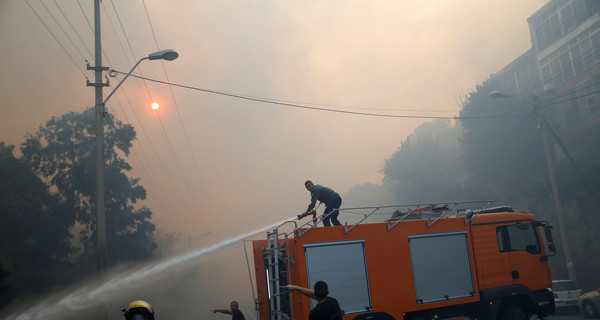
(539, 36)
(568, 20)
(566, 66)
(547, 33)
(587, 98)
(546, 76)
(572, 58)
(557, 76)
(577, 60)
(557, 20)
(575, 110)
(556, 29)
(579, 11)
(587, 54)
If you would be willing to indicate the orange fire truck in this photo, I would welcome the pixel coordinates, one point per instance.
(458, 260)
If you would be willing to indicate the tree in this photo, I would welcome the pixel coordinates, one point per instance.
(427, 167)
(62, 153)
(34, 230)
(505, 150)
(502, 147)
(503, 157)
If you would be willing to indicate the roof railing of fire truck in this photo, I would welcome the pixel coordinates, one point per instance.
(445, 207)
(375, 209)
(429, 223)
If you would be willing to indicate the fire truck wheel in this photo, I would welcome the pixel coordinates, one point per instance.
(514, 312)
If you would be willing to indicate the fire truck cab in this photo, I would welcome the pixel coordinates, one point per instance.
(433, 261)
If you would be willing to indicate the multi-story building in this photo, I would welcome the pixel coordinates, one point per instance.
(566, 40)
(562, 67)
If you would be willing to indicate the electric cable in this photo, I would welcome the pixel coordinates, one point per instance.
(85, 16)
(162, 165)
(294, 105)
(130, 47)
(112, 25)
(156, 116)
(174, 154)
(73, 28)
(116, 34)
(63, 30)
(549, 103)
(56, 39)
(189, 146)
(144, 156)
(92, 31)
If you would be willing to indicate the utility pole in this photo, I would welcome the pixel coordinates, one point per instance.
(543, 125)
(169, 55)
(101, 252)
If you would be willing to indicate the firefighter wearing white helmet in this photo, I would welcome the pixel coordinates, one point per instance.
(138, 310)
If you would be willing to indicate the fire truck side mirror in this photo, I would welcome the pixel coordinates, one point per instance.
(548, 234)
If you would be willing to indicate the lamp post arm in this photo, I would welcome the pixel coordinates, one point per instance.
(122, 80)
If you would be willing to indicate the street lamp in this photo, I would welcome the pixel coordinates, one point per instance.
(168, 54)
(544, 125)
(101, 252)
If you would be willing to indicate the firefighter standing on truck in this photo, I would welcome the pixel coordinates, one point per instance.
(332, 201)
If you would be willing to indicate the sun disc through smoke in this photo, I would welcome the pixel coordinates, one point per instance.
(155, 106)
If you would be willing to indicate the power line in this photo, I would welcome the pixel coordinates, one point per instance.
(128, 42)
(148, 138)
(570, 99)
(132, 53)
(55, 38)
(122, 29)
(150, 22)
(148, 94)
(73, 28)
(63, 30)
(189, 146)
(85, 16)
(300, 106)
(153, 174)
(156, 154)
(174, 154)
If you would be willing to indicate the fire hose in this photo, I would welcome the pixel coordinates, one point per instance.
(312, 212)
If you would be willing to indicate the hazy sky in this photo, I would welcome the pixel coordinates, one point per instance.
(413, 58)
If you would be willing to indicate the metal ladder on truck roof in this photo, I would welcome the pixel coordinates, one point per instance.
(273, 252)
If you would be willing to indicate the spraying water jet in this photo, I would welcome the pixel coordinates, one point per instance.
(88, 296)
